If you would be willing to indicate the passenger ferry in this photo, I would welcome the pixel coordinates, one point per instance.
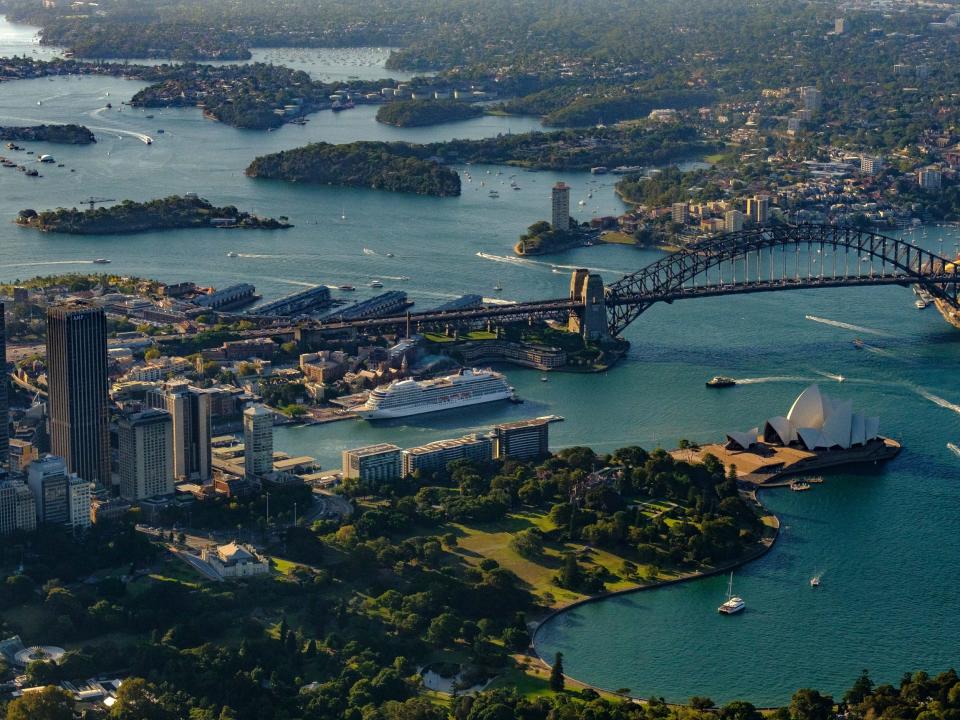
(403, 398)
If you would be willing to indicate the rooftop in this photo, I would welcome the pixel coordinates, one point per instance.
(374, 449)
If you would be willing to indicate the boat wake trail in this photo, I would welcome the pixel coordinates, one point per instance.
(499, 301)
(937, 400)
(846, 326)
(299, 283)
(368, 251)
(257, 256)
(527, 262)
(775, 378)
(830, 376)
(399, 278)
(48, 262)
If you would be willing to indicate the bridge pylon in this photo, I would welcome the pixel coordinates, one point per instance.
(590, 321)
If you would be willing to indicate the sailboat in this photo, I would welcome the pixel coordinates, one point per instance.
(498, 287)
(732, 605)
(815, 581)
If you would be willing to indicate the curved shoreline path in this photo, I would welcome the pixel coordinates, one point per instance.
(762, 547)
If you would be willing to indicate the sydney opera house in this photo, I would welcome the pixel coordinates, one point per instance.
(815, 422)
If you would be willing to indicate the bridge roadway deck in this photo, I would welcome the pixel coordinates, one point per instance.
(560, 306)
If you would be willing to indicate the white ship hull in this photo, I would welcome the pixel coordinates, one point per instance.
(452, 404)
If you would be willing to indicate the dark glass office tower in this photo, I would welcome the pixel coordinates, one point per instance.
(77, 378)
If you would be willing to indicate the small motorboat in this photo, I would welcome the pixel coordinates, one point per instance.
(233, 254)
(347, 288)
(101, 261)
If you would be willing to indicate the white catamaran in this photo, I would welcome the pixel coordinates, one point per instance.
(733, 604)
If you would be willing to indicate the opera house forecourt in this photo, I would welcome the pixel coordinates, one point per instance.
(818, 432)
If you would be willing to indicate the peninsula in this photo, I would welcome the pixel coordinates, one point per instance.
(170, 213)
(419, 113)
(378, 165)
(65, 134)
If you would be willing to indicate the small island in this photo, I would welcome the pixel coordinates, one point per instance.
(420, 113)
(64, 134)
(542, 238)
(377, 165)
(170, 213)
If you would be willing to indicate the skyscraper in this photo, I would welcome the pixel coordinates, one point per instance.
(189, 408)
(77, 376)
(146, 455)
(50, 485)
(4, 409)
(257, 441)
(561, 206)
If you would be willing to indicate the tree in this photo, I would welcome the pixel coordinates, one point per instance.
(739, 710)
(443, 629)
(570, 575)
(51, 703)
(808, 704)
(862, 687)
(137, 700)
(556, 674)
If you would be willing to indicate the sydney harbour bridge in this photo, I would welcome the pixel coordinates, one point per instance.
(764, 259)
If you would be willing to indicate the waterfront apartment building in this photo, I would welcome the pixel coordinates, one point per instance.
(535, 356)
(18, 509)
(257, 442)
(146, 455)
(521, 440)
(680, 213)
(374, 463)
(435, 456)
(4, 400)
(77, 381)
(48, 481)
(560, 205)
(758, 209)
(190, 413)
(732, 221)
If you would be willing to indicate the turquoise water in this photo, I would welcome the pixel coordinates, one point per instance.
(884, 540)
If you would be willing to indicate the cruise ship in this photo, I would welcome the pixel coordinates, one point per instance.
(403, 398)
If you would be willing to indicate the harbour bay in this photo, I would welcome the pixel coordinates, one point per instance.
(876, 535)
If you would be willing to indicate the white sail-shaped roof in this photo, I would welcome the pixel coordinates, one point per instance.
(810, 437)
(743, 440)
(836, 428)
(807, 410)
(779, 430)
(817, 422)
(858, 433)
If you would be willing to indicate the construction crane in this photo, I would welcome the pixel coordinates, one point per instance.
(91, 201)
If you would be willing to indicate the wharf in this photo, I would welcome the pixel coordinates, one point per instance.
(766, 465)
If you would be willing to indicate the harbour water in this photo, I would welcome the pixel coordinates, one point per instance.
(883, 538)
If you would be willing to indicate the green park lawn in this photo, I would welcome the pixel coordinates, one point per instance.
(492, 540)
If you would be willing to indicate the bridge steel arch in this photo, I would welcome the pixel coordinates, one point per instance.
(710, 267)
